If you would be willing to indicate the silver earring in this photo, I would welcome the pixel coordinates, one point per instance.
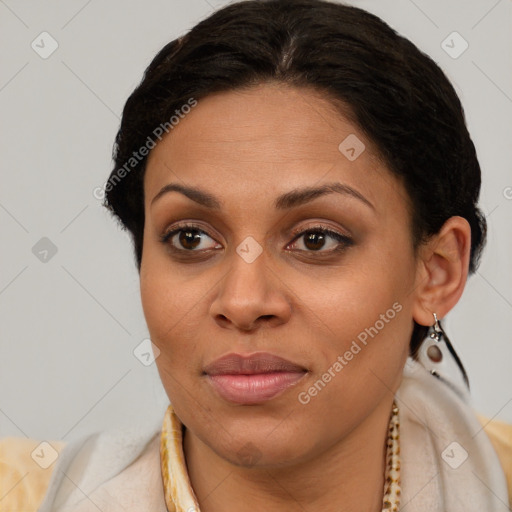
(438, 356)
(434, 352)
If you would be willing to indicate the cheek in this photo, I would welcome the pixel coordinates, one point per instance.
(353, 297)
(360, 358)
(167, 295)
(364, 314)
(169, 307)
(169, 315)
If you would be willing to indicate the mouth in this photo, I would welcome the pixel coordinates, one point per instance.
(252, 379)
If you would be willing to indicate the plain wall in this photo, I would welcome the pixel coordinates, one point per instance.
(69, 325)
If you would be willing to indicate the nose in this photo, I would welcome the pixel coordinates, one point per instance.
(251, 295)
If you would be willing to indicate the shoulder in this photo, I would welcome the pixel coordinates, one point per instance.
(500, 434)
(26, 466)
(32, 472)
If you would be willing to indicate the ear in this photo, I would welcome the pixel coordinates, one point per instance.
(442, 271)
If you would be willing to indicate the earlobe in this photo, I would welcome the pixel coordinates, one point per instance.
(442, 270)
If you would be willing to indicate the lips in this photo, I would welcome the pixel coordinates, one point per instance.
(252, 379)
(261, 362)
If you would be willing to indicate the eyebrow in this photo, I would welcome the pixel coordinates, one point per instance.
(285, 201)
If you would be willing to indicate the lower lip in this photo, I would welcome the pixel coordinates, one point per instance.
(253, 389)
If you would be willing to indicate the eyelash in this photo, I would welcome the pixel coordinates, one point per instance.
(344, 240)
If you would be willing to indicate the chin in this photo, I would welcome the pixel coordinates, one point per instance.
(262, 453)
(259, 441)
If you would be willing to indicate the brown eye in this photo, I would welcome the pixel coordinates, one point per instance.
(190, 238)
(315, 239)
(187, 239)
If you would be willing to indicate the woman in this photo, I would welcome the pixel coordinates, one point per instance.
(301, 190)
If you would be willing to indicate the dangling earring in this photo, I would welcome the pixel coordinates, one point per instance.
(433, 351)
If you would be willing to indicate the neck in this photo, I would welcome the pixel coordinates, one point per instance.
(349, 476)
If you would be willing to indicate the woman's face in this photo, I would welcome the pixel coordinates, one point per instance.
(244, 280)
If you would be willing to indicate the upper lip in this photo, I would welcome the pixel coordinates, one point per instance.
(261, 362)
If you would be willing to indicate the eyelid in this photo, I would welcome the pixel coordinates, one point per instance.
(169, 233)
(344, 241)
(320, 226)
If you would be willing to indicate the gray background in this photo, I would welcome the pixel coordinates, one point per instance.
(70, 324)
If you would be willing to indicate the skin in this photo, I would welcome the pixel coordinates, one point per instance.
(246, 148)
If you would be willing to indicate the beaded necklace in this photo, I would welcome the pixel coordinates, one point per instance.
(392, 491)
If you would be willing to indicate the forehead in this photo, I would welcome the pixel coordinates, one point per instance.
(271, 137)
